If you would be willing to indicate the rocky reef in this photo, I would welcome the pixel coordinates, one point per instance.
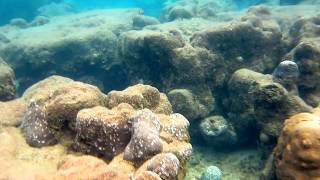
(128, 139)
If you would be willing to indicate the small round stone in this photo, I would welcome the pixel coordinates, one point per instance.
(211, 173)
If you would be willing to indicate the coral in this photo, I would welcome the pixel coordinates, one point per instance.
(165, 165)
(7, 84)
(211, 173)
(145, 141)
(141, 96)
(103, 132)
(35, 127)
(297, 152)
(217, 132)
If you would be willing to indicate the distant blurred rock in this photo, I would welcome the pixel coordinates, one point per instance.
(141, 21)
(39, 21)
(7, 82)
(19, 22)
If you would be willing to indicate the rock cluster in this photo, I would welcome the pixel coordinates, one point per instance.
(133, 130)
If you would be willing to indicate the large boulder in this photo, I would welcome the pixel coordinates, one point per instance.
(256, 30)
(55, 102)
(304, 36)
(12, 112)
(7, 82)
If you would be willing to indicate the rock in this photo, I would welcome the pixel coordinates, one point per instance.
(139, 97)
(35, 127)
(180, 12)
(296, 154)
(257, 104)
(12, 112)
(165, 165)
(67, 101)
(7, 82)
(287, 74)
(211, 173)
(217, 132)
(256, 31)
(174, 128)
(19, 22)
(193, 9)
(141, 21)
(42, 90)
(147, 54)
(184, 102)
(39, 21)
(145, 141)
(104, 132)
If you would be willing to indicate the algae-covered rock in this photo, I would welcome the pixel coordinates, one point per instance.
(217, 132)
(257, 103)
(7, 84)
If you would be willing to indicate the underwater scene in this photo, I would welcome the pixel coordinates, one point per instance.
(159, 89)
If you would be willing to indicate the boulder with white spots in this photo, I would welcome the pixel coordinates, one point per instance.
(145, 141)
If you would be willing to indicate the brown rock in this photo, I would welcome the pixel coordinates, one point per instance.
(101, 131)
(297, 152)
(141, 96)
(12, 112)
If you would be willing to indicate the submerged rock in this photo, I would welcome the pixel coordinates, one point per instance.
(165, 165)
(141, 21)
(297, 151)
(7, 82)
(35, 127)
(217, 132)
(145, 141)
(211, 173)
(287, 74)
(103, 132)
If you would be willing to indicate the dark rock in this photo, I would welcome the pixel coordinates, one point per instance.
(35, 127)
(141, 21)
(103, 132)
(145, 141)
